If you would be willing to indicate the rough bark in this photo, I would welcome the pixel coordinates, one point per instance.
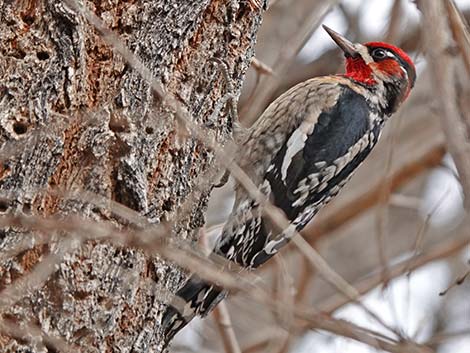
(74, 116)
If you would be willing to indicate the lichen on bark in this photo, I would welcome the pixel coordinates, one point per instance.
(75, 117)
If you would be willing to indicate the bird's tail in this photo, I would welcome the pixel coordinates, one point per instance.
(196, 297)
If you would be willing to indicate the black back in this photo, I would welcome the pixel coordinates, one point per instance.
(335, 132)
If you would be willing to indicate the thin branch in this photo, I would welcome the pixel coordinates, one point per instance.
(352, 331)
(262, 340)
(382, 209)
(405, 201)
(459, 29)
(332, 277)
(445, 336)
(261, 67)
(422, 231)
(457, 282)
(396, 13)
(305, 279)
(224, 324)
(284, 290)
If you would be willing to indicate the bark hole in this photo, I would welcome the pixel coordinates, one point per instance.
(42, 55)
(27, 208)
(4, 204)
(19, 54)
(28, 19)
(118, 125)
(20, 127)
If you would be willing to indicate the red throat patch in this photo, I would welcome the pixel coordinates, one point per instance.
(358, 70)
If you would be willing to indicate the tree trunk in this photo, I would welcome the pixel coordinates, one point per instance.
(77, 120)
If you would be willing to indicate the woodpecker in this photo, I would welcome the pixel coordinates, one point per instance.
(301, 152)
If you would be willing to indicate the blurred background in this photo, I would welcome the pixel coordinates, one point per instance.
(397, 232)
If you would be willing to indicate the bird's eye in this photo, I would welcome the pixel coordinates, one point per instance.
(379, 54)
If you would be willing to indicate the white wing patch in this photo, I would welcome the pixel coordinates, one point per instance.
(295, 144)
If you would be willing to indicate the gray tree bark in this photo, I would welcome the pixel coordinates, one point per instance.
(76, 118)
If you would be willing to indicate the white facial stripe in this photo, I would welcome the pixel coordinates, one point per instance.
(364, 53)
(404, 71)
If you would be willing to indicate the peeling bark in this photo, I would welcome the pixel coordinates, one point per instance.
(75, 117)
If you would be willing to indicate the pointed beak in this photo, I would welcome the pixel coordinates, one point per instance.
(346, 46)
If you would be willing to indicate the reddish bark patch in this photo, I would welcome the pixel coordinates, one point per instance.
(28, 15)
(4, 340)
(69, 166)
(81, 294)
(31, 257)
(99, 67)
(25, 260)
(55, 294)
(162, 158)
(5, 171)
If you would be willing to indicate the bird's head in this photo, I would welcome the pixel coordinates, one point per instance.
(377, 64)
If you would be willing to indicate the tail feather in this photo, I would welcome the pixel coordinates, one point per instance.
(196, 297)
(248, 246)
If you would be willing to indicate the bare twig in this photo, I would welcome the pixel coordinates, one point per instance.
(346, 329)
(224, 324)
(306, 278)
(328, 274)
(221, 314)
(313, 320)
(284, 291)
(442, 337)
(261, 67)
(382, 209)
(457, 282)
(261, 341)
(459, 29)
(419, 239)
(394, 22)
(405, 201)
